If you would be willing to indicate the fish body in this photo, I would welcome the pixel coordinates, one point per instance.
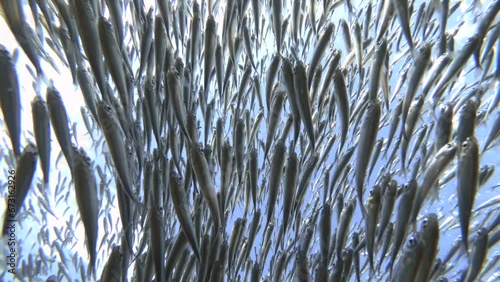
(86, 198)
(10, 99)
(22, 177)
(366, 143)
(468, 182)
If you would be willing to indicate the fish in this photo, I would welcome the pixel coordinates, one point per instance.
(402, 218)
(112, 56)
(437, 165)
(19, 182)
(59, 121)
(115, 138)
(41, 128)
(367, 138)
(373, 207)
(493, 133)
(387, 206)
(343, 226)
(204, 178)
(302, 99)
(410, 260)
(342, 99)
(86, 22)
(113, 268)
(274, 117)
(319, 50)
(478, 255)
(10, 99)
(276, 6)
(275, 175)
(181, 206)
(467, 183)
(429, 234)
(86, 198)
(444, 126)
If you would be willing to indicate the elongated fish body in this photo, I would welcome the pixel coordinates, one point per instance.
(41, 128)
(277, 164)
(319, 51)
(373, 207)
(402, 217)
(478, 255)
(22, 177)
(366, 143)
(437, 165)
(418, 72)
(59, 120)
(277, 18)
(274, 118)
(409, 262)
(443, 128)
(466, 121)
(113, 58)
(204, 178)
(115, 139)
(482, 28)
(456, 65)
(342, 99)
(10, 99)
(429, 234)
(86, 21)
(113, 269)
(210, 45)
(177, 105)
(86, 198)
(302, 99)
(387, 207)
(467, 176)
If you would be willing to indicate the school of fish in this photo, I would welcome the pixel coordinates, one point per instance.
(255, 140)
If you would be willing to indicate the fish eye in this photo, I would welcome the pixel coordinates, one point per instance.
(108, 108)
(108, 24)
(425, 223)
(465, 145)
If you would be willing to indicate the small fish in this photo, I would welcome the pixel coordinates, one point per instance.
(319, 50)
(59, 121)
(467, 183)
(343, 226)
(274, 118)
(302, 99)
(493, 133)
(478, 255)
(444, 126)
(204, 178)
(86, 198)
(388, 201)
(410, 260)
(402, 218)
(115, 138)
(86, 21)
(41, 128)
(22, 177)
(373, 208)
(367, 138)
(275, 175)
(113, 269)
(342, 99)
(437, 165)
(181, 206)
(429, 234)
(277, 19)
(10, 99)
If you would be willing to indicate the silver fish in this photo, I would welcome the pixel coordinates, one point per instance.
(21, 177)
(10, 99)
(468, 181)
